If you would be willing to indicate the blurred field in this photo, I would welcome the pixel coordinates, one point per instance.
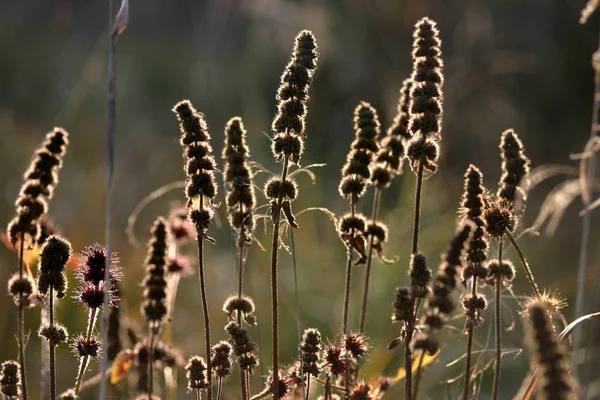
(525, 65)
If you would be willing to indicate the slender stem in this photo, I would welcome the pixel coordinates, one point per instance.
(297, 301)
(83, 362)
(307, 394)
(174, 279)
(247, 383)
(204, 307)
(528, 272)
(412, 318)
(470, 332)
(21, 326)
(348, 282)
(219, 388)
(418, 377)
(198, 397)
(498, 327)
(363, 310)
(52, 347)
(275, 284)
(151, 365)
(239, 314)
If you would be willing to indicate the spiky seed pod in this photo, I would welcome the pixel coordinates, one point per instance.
(498, 219)
(361, 391)
(349, 222)
(292, 98)
(221, 359)
(337, 361)
(241, 198)
(55, 334)
(310, 350)
(420, 275)
(82, 347)
(54, 256)
(90, 275)
(154, 306)
(439, 304)
(10, 379)
(515, 167)
(196, 374)
(356, 173)
(276, 187)
(402, 304)
(355, 344)
(243, 305)
(243, 347)
(285, 386)
(472, 208)
(555, 381)
(425, 108)
(21, 288)
(505, 270)
(40, 179)
(69, 395)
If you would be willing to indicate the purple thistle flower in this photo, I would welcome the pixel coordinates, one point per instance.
(92, 268)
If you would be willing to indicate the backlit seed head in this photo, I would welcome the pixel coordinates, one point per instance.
(499, 219)
(83, 347)
(221, 359)
(196, 374)
(425, 151)
(425, 342)
(402, 304)
(10, 379)
(55, 334)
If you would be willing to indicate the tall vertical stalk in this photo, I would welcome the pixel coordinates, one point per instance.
(470, 333)
(528, 272)
(21, 326)
(52, 352)
(498, 327)
(363, 310)
(200, 239)
(83, 362)
(151, 364)
(243, 388)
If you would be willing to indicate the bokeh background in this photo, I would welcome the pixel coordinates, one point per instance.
(525, 65)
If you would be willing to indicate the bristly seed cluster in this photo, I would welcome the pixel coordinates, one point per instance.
(425, 107)
(154, 306)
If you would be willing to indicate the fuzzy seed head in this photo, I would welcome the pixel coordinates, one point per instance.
(196, 374)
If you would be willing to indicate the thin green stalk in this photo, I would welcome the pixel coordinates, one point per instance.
(528, 272)
(52, 353)
(151, 365)
(498, 328)
(470, 332)
(204, 307)
(21, 327)
(275, 284)
(83, 362)
(412, 318)
(363, 310)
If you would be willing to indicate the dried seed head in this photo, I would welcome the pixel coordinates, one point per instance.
(378, 230)
(355, 344)
(337, 362)
(349, 223)
(196, 374)
(498, 219)
(21, 288)
(179, 226)
(424, 342)
(422, 150)
(392, 147)
(474, 304)
(352, 187)
(420, 275)
(154, 306)
(310, 350)
(10, 379)
(55, 334)
(277, 187)
(243, 305)
(220, 359)
(200, 218)
(505, 271)
(515, 167)
(93, 296)
(555, 382)
(361, 391)
(94, 264)
(402, 305)
(83, 347)
(243, 347)
(54, 256)
(69, 395)
(285, 386)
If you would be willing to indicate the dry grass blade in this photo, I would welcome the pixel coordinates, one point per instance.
(591, 147)
(121, 20)
(527, 391)
(555, 204)
(307, 171)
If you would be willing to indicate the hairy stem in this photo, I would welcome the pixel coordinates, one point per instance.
(275, 285)
(363, 309)
(239, 314)
(470, 332)
(528, 272)
(498, 327)
(200, 239)
(412, 318)
(21, 327)
(52, 347)
(151, 364)
(83, 362)
(219, 388)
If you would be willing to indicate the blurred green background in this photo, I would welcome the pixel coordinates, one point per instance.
(525, 65)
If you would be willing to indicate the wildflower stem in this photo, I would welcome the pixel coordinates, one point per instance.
(275, 283)
(498, 327)
(528, 272)
(412, 318)
(151, 364)
(52, 354)
(470, 331)
(21, 327)
(219, 388)
(168, 335)
(83, 362)
(363, 310)
(239, 314)
(200, 239)
(307, 393)
(348, 281)
(418, 377)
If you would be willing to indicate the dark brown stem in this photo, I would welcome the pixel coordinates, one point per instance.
(239, 314)
(52, 361)
(528, 272)
(348, 282)
(363, 309)
(198, 397)
(200, 238)
(470, 332)
(151, 364)
(307, 394)
(412, 318)
(498, 328)
(275, 285)
(418, 377)
(21, 327)
(219, 388)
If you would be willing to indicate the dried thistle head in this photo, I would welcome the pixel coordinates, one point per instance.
(361, 391)
(243, 347)
(499, 218)
(55, 334)
(21, 288)
(555, 380)
(220, 359)
(355, 344)
(244, 306)
(356, 172)
(310, 351)
(90, 274)
(504, 270)
(84, 347)
(196, 374)
(68, 395)
(551, 300)
(337, 362)
(241, 198)
(154, 307)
